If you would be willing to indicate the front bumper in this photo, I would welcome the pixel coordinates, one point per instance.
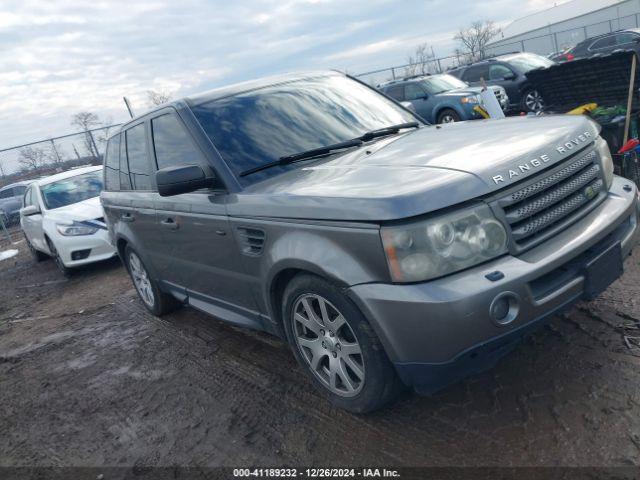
(440, 331)
(83, 249)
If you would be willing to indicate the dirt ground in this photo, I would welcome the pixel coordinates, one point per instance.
(88, 377)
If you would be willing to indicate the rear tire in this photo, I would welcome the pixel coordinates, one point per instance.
(448, 116)
(336, 346)
(155, 300)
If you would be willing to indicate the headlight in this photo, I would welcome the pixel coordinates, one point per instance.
(473, 99)
(443, 245)
(606, 159)
(76, 229)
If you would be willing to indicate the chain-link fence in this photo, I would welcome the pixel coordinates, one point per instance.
(556, 41)
(46, 157)
(542, 45)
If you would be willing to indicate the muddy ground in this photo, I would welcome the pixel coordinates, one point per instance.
(88, 377)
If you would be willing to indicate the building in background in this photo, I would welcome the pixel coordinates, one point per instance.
(564, 25)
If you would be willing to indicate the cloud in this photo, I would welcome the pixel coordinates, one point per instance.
(61, 57)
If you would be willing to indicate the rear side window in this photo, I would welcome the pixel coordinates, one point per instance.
(112, 164)
(172, 143)
(7, 193)
(474, 74)
(139, 166)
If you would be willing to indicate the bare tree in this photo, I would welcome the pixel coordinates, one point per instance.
(420, 63)
(475, 38)
(86, 121)
(158, 97)
(32, 158)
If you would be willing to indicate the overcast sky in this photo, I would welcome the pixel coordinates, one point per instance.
(58, 57)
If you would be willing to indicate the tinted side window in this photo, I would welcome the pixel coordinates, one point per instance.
(19, 191)
(397, 93)
(125, 182)
(172, 143)
(499, 72)
(6, 193)
(413, 91)
(139, 166)
(605, 42)
(626, 38)
(473, 74)
(112, 164)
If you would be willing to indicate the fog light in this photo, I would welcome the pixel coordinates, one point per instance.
(80, 254)
(504, 308)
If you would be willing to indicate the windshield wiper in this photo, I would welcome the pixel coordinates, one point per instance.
(307, 154)
(381, 132)
(329, 149)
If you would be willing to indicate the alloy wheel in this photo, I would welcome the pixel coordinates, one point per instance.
(534, 101)
(448, 119)
(141, 280)
(329, 345)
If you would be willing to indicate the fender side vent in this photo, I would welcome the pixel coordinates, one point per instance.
(251, 241)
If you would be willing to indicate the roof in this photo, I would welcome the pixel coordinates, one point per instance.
(16, 184)
(67, 174)
(256, 84)
(555, 14)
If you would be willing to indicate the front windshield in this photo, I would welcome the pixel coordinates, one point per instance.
(526, 62)
(260, 126)
(442, 83)
(72, 190)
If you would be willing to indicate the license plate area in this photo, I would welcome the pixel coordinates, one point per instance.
(602, 270)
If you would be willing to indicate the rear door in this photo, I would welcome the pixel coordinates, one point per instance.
(204, 257)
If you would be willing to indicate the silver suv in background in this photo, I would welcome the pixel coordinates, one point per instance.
(11, 197)
(385, 251)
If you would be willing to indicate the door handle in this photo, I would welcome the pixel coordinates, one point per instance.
(170, 223)
(127, 217)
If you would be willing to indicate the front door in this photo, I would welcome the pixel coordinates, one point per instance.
(194, 228)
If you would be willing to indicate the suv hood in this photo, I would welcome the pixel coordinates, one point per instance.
(79, 212)
(418, 172)
(466, 91)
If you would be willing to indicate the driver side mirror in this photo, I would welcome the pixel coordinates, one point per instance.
(510, 76)
(182, 179)
(29, 210)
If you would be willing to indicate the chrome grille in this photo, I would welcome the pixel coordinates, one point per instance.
(553, 200)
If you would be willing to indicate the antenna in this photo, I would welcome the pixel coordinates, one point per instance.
(128, 104)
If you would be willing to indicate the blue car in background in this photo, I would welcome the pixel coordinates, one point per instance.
(441, 98)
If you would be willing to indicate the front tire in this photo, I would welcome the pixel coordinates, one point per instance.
(66, 271)
(37, 255)
(154, 299)
(448, 116)
(336, 346)
(532, 101)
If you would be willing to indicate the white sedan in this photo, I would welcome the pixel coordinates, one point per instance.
(62, 218)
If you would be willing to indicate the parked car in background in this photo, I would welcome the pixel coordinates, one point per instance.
(508, 71)
(11, 201)
(565, 55)
(441, 98)
(384, 251)
(62, 218)
(608, 43)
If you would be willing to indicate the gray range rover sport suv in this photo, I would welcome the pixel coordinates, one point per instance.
(385, 251)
